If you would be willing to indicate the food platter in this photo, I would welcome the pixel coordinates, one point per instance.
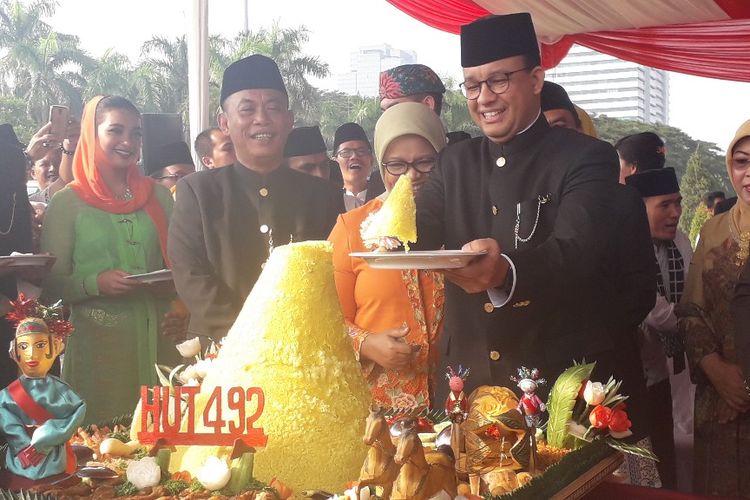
(434, 259)
(28, 260)
(152, 277)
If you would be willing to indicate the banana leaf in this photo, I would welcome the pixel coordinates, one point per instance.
(562, 398)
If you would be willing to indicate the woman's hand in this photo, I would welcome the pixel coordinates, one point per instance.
(389, 348)
(72, 134)
(728, 380)
(115, 282)
(725, 414)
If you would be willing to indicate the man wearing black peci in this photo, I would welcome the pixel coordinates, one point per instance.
(538, 200)
(225, 220)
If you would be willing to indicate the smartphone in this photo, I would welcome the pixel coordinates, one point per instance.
(59, 117)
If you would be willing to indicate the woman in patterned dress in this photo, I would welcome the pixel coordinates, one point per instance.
(722, 399)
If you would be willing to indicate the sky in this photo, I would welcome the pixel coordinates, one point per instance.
(706, 109)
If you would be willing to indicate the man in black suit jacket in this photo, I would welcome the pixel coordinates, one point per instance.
(539, 201)
(226, 220)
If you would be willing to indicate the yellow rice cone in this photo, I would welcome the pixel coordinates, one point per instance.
(291, 341)
(397, 218)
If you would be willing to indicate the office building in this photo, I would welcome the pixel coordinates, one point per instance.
(366, 64)
(604, 85)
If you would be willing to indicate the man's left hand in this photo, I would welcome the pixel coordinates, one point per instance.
(485, 271)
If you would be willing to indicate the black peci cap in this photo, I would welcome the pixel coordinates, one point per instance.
(252, 72)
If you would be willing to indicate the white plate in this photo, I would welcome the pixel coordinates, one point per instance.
(29, 260)
(418, 259)
(152, 277)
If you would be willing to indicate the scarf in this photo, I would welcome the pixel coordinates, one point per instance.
(406, 118)
(91, 188)
(740, 212)
(674, 344)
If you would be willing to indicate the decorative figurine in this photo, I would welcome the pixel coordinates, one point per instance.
(456, 406)
(38, 412)
(530, 405)
(379, 468)
(419, 479)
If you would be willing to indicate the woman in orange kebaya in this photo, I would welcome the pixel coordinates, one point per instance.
(394, 317)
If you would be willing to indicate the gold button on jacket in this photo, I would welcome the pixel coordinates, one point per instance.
(488, 307)
(494, 355)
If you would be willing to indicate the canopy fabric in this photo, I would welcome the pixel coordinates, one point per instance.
(699, 37)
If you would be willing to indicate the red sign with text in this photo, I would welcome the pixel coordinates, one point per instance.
(227, 428)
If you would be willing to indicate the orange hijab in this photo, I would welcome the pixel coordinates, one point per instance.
(92, 189)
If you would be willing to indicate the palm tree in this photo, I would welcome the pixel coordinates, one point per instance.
(113, 75)
(455, 114)
(39, 66)
(284, 45)
(166, 65)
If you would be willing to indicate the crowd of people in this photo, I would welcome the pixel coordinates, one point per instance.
(576, 265)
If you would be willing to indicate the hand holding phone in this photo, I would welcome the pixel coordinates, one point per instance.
(59, 116)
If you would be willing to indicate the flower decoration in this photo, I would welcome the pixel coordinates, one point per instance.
(189, 374)
(593, 393)
(189, 348)
(53, 316)
(214, 474)
(599, 413)
(591, 410)
(144, 473)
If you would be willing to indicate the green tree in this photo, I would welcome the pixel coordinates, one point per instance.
(112, 75)
(455, 113)
(13, 111)
(39, 66)
(695, 183)
(680, 146)
(337, 108)
(165, 66)
(700, 217)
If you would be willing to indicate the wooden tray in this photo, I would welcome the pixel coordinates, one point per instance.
(591, 478)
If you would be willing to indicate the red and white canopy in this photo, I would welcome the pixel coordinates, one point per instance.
(708, 38)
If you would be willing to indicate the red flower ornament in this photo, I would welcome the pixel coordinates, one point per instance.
(600, 417)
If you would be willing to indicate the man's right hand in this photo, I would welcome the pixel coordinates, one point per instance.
(389, 348)
(42, 143)
(115, 282)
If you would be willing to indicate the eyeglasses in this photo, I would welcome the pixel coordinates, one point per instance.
(496, 84)
(399, 167)
(349, 153)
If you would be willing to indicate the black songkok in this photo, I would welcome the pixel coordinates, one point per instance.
(170, 154)
(555, 97)
(349, 132)
(492, 38)
(252, 72)
(304, 141)
(655, 182)
(457, 136)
